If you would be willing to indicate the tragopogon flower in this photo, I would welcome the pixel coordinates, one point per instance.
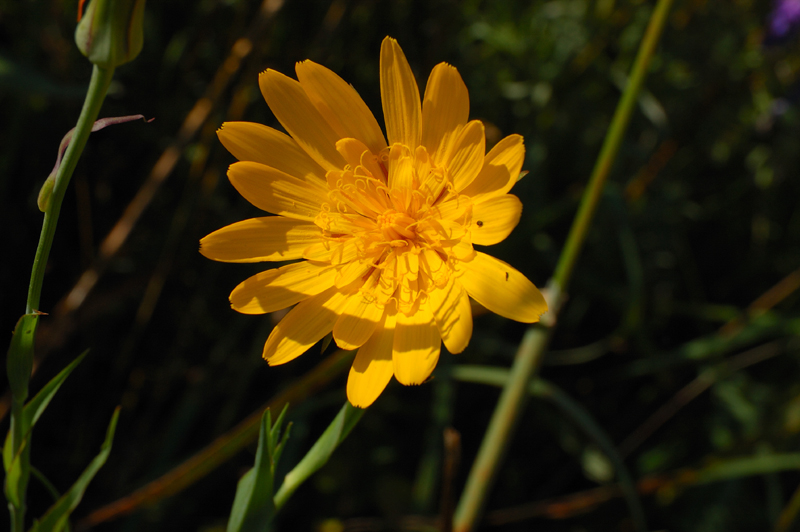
(386, 231)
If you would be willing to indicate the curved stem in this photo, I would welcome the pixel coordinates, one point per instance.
(533, 345)
(101, 78)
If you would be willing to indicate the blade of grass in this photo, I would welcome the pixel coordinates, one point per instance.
(221, 449)
(673, 482)
(540, 388)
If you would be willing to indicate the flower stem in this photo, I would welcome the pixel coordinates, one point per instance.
(529, 354)
(101, 78)
(610, 148)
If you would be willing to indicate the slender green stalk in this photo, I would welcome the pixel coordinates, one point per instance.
(529, 354)
(98, 86)
(611, 144)
(498, 433)
(101, 78)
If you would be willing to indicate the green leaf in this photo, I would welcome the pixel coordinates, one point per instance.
(19, 361)
(56, 517)
(16, 476)
(335, 434)
(253, 507)
(33, 410)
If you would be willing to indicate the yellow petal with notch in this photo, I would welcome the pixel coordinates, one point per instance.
(416, 346)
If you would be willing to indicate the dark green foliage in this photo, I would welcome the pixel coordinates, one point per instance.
(699, 220)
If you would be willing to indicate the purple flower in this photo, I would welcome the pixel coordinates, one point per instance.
(784, 18)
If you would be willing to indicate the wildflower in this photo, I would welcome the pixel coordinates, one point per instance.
(386, 230)
(783, 21)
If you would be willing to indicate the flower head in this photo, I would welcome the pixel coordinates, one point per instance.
(386, 231)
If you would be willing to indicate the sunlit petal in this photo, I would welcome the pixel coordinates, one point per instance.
(400, 96)
(261, 144)
(260, 239)
(340, 105)
(466, 154)
(282, 287)
(501, 168)
(416, 346)
(303, 326)
(451, 309)
(494, 219)
(501, 288)
(274, 191)
(373, 367)
(294, 110)
(445, 109)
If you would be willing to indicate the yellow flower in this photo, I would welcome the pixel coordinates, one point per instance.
(386, 231)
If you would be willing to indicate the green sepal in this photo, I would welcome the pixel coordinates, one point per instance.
(19, 361)
(253, 507)
(111, 32)
(321, 451)
(56, 518)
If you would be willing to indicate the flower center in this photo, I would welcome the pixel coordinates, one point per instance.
(391, 223)
(397, 227)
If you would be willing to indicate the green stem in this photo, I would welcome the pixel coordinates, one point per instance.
(610, 148)
(529, 354)
(498, 433)
(101, 78)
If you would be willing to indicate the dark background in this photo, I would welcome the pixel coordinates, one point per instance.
(700, 218)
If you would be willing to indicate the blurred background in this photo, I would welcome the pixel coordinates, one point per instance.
(679, 337)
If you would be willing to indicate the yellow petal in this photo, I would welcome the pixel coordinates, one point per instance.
(453, 314)
(494, 219)
(260, 239)
(501, 168)
(340, 105)
(294, 110)
(445, 109)
(416, 346)
(282, 287)
(352, 271)
(373, 368)
(465, 159)
(501, 288)
(274, 191)
(400, 96)
(357, 322)
(261, 144)
(356, 153)
(303, 326)
(461, 250)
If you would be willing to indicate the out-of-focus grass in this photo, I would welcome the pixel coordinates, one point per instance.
(699, 222)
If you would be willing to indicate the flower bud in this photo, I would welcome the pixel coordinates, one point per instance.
(110, 33)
